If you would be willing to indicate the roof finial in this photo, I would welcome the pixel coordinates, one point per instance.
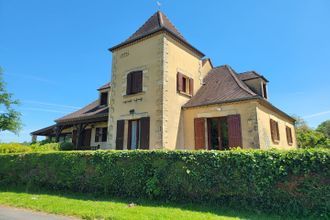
(159, 5)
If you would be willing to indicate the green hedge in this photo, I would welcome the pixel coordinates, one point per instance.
(284, 182)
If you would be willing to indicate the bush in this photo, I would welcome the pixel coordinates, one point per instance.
(13, 148)
(283, 182)
(66, 146)
(308, 138)
(39, 147)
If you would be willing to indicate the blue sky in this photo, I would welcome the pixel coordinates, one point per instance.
(54, 53)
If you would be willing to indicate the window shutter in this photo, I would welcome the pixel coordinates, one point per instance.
(145, 132)
(274, 131)
(277, 131)
(191, 86)
(234, 131)
(138, 81)
(179, 82)
(120, 135)
(199, 126)
(129, 84)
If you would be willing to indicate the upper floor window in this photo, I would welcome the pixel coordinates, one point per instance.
(101, 134)
(104, 98)
(134, 82)
(185, 84)
(288, 135)
(264, 90)
(274, 131)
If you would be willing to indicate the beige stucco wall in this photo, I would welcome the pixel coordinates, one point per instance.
(246, 110)
(146, 55)
(177, 59)
(264, 116)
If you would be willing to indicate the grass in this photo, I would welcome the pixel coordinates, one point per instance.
(88, 207)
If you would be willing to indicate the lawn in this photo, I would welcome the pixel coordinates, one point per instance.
(89, 207)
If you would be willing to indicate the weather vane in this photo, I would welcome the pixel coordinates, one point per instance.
(159, 4)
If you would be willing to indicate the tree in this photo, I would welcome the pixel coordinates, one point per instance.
(324, 128)
(10, 119)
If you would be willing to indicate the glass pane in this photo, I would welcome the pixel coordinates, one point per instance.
(134, 135)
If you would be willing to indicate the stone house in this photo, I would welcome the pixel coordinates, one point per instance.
(165, 95)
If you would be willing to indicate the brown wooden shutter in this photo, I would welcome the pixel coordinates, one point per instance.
(191, 86)
(120, 135)
(104, 134)
(277, 131)
(272, 129)
(145, 132)
(129, 84)
(179, 82)
(199, 126)
(138, 81)
(288, 135)
(234, 131)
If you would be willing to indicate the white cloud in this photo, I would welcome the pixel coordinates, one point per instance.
(317, 114)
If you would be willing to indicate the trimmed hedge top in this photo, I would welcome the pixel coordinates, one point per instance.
(295, 182)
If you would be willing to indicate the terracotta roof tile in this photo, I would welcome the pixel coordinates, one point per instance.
(105, 86)
(221, 85)
(250, 75)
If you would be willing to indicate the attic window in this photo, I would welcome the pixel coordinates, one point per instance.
(264, 90)
(185, 85)
(104, 98)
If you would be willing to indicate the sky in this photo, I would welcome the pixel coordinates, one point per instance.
(55, 53)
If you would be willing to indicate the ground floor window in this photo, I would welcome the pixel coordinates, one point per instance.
(101, 134)
(133, 135)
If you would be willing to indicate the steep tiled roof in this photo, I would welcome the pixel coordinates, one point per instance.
(157, 22)
(105, 86)
(91, 111)
(221, 85)
(250, 75)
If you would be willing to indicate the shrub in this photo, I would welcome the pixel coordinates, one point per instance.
(38, 147)
(13, 148)
(284, 182)
(66, 146)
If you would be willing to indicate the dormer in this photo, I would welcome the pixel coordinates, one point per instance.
(256, 82)
(104, 94)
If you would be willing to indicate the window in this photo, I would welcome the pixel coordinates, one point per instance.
(264, 90)
(274, 131)
(185, 85)
(134, 82)
(101, 134)
(104, 98)
(288, 135)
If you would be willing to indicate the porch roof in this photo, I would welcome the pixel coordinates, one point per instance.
(93, 112)
(47, 131)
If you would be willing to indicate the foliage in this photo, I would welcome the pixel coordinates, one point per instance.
(66, 146)
(9, 117)
(312, 139)
(22, 148)
(285, 182)
(324, 128)
(13, 148)
(38, 147)
(309, 138)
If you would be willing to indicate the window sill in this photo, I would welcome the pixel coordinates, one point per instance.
(276, 141)
(185, 94)
(135, 94)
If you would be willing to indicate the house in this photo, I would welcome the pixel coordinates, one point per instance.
(165, 95)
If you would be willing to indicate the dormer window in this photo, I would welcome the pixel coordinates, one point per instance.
(134, 82)
(264, 90)
(104, 98)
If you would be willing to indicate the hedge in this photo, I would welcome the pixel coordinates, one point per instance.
(283, 182)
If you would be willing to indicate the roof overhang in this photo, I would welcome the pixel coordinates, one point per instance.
(162, 29)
